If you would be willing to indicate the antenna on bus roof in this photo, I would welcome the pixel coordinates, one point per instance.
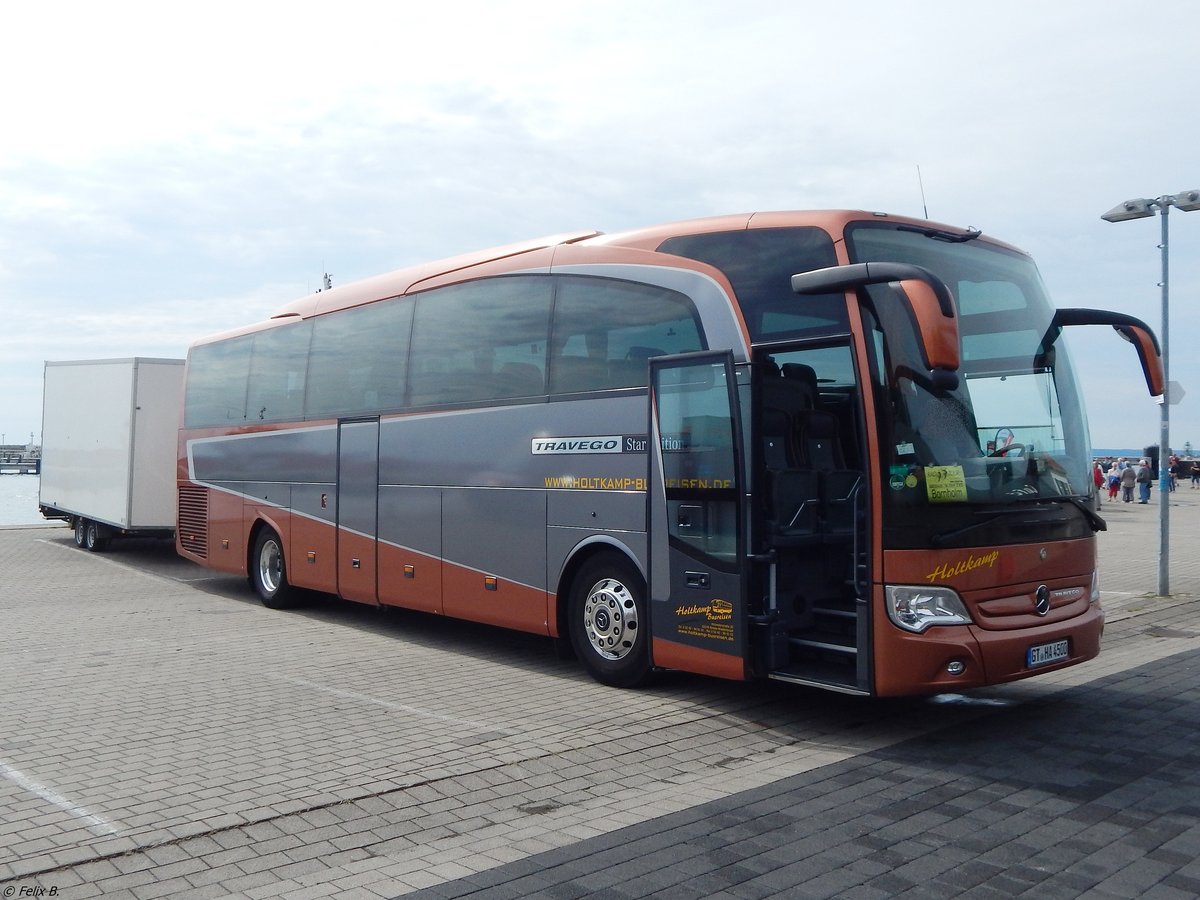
(920, 182)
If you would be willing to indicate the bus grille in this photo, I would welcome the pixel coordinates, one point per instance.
(193, 520)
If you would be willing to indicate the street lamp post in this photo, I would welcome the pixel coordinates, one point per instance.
(1141, 208)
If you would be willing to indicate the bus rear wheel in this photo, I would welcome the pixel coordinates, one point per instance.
(607, 621)
(268, 572)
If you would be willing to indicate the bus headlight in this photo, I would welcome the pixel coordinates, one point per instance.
(917, 608)
(1094, 597)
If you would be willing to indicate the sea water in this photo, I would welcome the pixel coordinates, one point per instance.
(19, 500)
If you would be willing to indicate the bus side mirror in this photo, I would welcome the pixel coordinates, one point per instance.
(1133, 330)
(939, 333)
(927, 298)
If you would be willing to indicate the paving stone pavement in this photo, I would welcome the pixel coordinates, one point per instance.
(163, 735)
(1094, 791)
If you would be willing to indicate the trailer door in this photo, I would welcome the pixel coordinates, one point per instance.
(696, 518)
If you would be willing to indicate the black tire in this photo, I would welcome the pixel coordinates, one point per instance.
(607, 621)
(268, 571)
(94, 537)
(80, 532)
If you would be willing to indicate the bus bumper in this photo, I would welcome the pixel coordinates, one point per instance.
(958, 658)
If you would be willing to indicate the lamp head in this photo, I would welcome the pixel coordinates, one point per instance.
(1130, 209)
(1188, 201)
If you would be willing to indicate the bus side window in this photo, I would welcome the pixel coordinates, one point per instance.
(605, 330)
(216, 386)
(277, 370)
(482, 340)
(357, 360)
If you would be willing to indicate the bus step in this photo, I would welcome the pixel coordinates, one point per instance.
(837, 613)
(839, 674)
(808, 644)
(841, 685)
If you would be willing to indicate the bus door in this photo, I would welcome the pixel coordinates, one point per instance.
(812, 496)
(697, 582)
(357, 508)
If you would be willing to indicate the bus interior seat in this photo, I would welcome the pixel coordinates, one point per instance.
(796, 498)
(631, 371)
(838, 495)
(578, 373)
(626, 373)
(804, 378)
(776, 429)
(818, 433)
(812, 491)
(642, 354)
(820, 444)
(520, 380)
(783, 404)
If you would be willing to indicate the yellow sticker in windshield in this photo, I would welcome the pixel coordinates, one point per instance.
(945, 484)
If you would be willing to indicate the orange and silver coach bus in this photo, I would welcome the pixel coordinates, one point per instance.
(841, 449)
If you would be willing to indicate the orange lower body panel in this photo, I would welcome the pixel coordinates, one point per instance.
(409, 579)
(917, 663)
(473, 595)
(672, 655)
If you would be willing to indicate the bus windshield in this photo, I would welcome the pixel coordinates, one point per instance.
(1012, 432)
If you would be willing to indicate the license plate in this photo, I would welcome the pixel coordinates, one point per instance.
(1044, 654)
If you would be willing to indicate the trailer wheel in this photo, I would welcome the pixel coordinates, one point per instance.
(608, 623)
(95, 538)
(268, 572)
(80, 531)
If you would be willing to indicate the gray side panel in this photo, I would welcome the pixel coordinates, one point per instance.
(497, 531)
(358, 476)
(308, 455)
(493, 447)
(504, 491)
(562, 542)
(275, 493)
(598, 510)
(411, 517)
(316, 501)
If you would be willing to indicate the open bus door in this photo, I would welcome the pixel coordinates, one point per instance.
(697, 581)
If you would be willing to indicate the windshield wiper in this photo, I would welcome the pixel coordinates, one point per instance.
(943, 537)
(1093, 517)
(938, 234)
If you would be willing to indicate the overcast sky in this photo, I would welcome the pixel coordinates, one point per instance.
(168, 171)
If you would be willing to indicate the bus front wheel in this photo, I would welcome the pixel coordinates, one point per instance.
(268, 573)
(608, 624)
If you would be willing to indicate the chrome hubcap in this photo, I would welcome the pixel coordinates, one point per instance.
(270, 566)
(610, 619)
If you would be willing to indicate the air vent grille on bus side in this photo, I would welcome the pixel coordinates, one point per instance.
(193, 520)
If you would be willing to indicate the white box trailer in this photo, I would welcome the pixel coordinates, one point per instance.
(109, 429)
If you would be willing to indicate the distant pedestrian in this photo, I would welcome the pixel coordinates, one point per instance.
(1128, 480)
(1114, 481)
(1195, 474)
(1173, 470)
(1143, 481)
